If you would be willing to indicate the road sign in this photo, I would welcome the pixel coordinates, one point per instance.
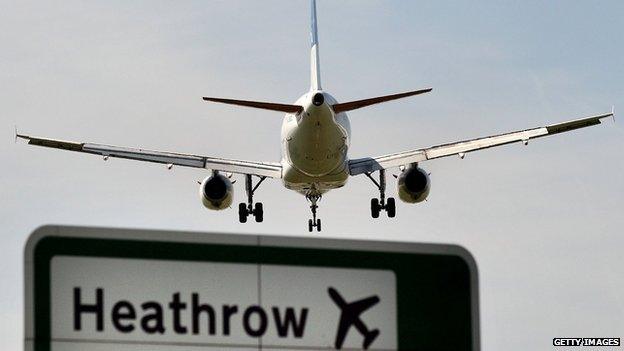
(104, 289)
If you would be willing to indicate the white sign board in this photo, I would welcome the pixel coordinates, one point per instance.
(103, 289)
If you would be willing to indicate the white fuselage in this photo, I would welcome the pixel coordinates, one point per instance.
(314, 147)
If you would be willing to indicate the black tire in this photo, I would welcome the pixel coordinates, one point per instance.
(310, 225)
(318, 225)
(375, 208)
(391, 207)
(259, 212)
(242, 212)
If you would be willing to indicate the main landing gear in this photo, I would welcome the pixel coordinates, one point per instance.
(381, 204)
(314, 222)
(246, 209)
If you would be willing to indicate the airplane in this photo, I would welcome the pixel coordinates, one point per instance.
(315, 138)
(350, 316)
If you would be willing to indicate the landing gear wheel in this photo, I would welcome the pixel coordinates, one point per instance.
(242, 212)
(375, 208)
(381, 203)
(249, 208)
(314, 222)
(391, 207)
(259, 212)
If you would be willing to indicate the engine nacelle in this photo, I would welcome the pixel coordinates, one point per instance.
(413, 184)
(216, 192)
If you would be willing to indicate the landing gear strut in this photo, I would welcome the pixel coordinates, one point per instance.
(314, 222)
(381, 204)
(246, 209)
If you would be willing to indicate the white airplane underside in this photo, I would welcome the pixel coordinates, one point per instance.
(315, 138)
(314, 146)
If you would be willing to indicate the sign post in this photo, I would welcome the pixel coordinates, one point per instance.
(104, 289)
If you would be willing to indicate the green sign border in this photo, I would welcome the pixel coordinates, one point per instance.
(435, 288)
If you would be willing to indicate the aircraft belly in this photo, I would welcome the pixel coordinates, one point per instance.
(316, 149)
(298, 181)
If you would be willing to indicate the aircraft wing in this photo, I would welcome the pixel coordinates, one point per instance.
(262, 169)
(372, 164)
(356, 308)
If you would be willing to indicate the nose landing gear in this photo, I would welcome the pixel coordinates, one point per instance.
(246, 209)
(381, 204)
(314, 222)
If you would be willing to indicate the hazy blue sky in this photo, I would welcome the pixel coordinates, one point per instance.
(544, 222)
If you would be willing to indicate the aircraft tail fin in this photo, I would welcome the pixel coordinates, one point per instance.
(259, 104)
(370, 337)
(315, 66)
(352, 105)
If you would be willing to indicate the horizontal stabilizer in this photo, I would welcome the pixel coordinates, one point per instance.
(352, 105)
(258, 104)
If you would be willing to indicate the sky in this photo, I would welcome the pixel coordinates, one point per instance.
(544, 221)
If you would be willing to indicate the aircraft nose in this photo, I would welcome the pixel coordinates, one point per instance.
(318, 99)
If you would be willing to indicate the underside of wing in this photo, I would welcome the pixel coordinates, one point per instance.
(372, 164)
(263, 169)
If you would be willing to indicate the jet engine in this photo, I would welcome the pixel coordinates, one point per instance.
(216, 192)
(413, 184)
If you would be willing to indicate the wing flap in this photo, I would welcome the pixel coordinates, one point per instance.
(483, 143)
(145, 155)
(263, 169)
(371, 164)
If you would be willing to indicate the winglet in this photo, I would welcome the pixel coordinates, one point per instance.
(18, 135)
(613, 112)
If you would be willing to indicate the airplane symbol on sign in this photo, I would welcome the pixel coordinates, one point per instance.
(350, 316)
